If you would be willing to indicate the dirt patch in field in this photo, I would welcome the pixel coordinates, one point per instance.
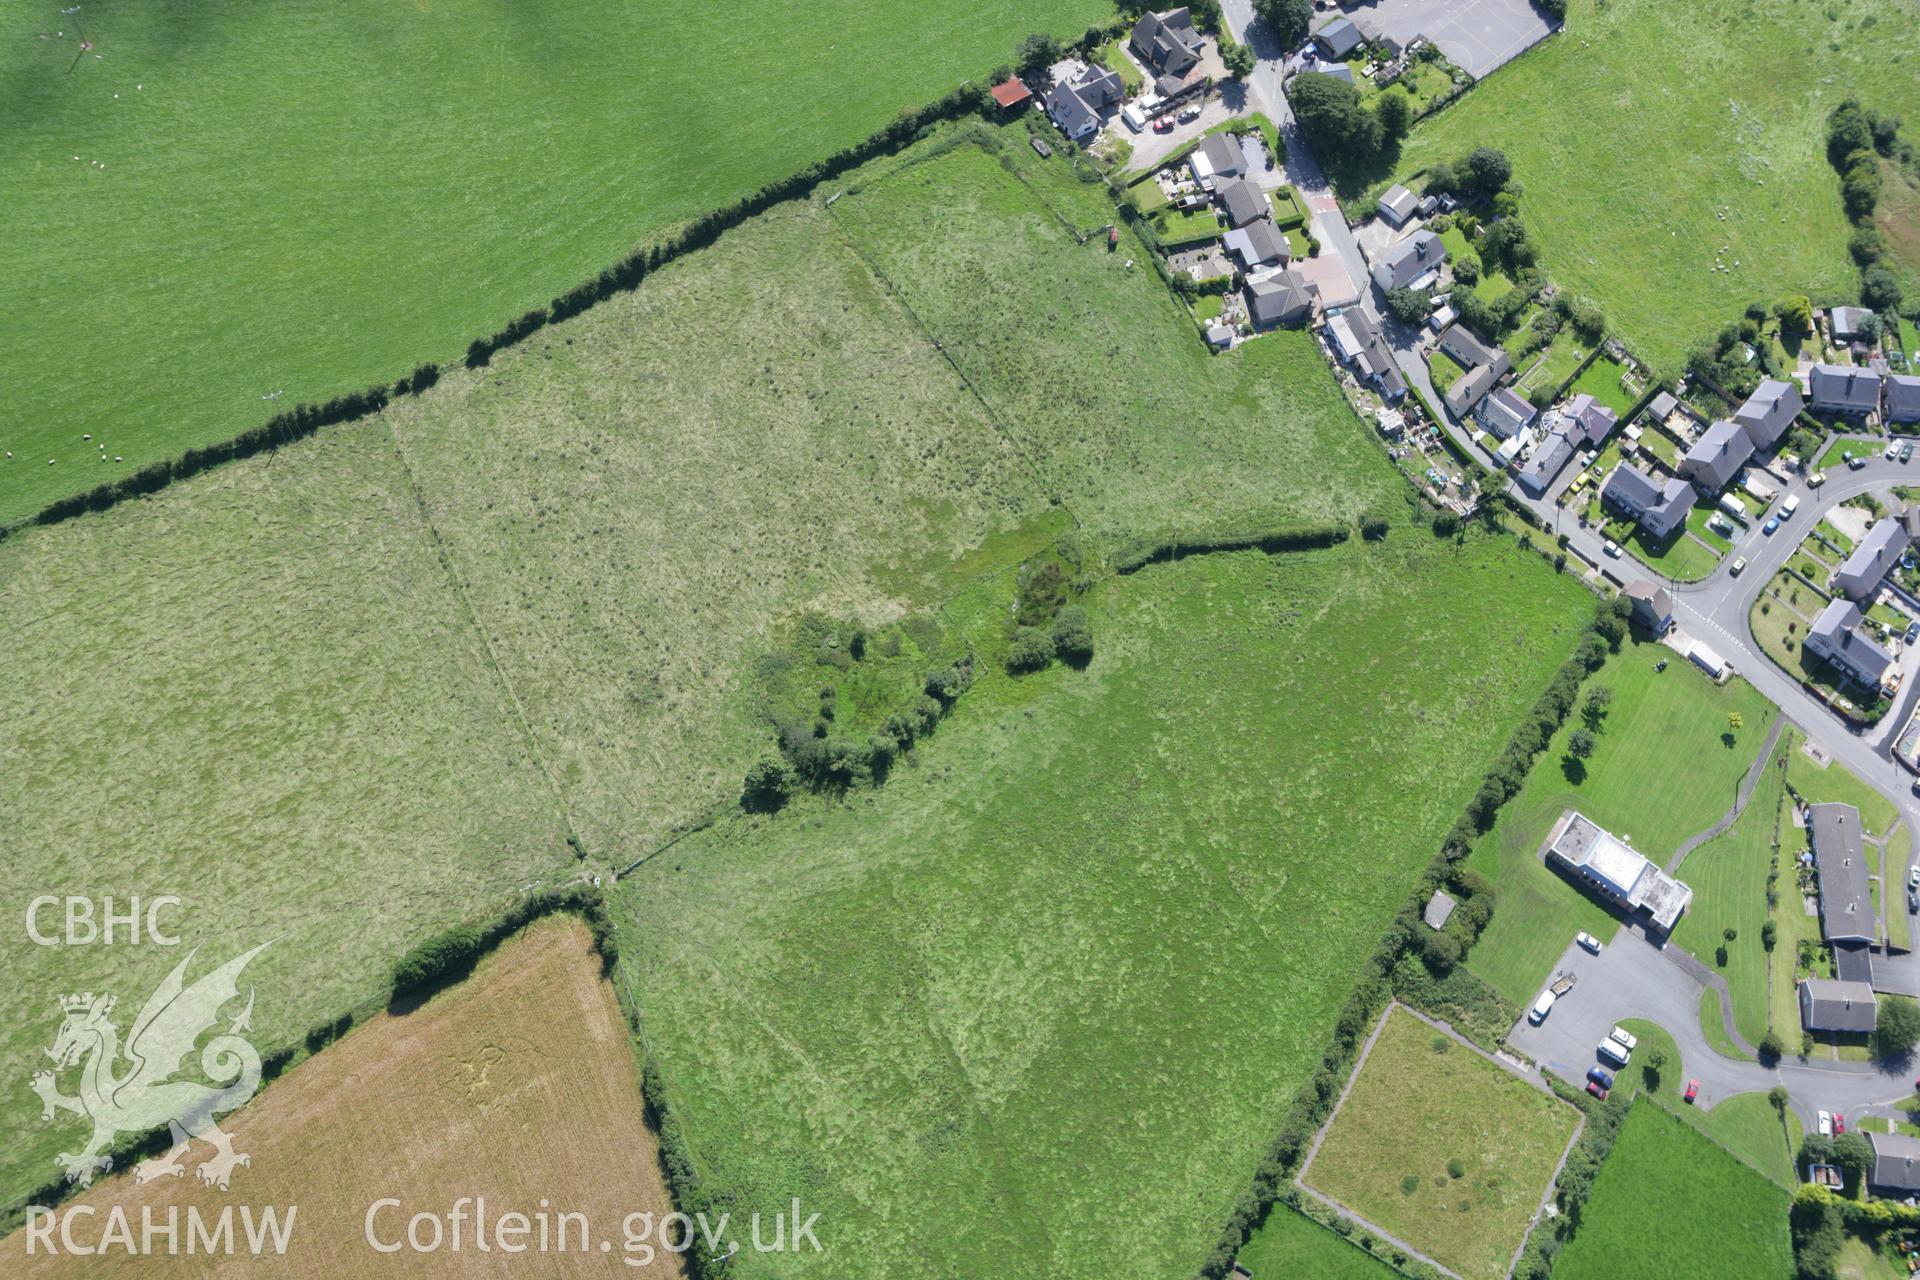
(519, 1086)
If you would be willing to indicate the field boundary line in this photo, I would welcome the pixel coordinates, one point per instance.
(459, 585)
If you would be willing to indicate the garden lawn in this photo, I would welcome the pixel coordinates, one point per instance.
(1442, 1147)
(1444, 370)
(1716, 1218)
(975, 1017)
(1833, 457)
(306, 198)
(1839, 784)
(1661, 771)
(1289, 1243)
(1716, 113)
(1729, 879)
(1562, 357)
(1697, 520)
(1602, 381)
(1681, 558)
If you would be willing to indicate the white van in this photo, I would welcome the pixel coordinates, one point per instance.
(1613, 1051)
(1541, 1007)
(1791, 505)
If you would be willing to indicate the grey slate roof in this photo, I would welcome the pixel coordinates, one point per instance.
(1467, 392)
(1465, 346)
(1844, 389)
(1166, 40)
(1505, 413)
(1769, 411)
(1837, 631)
(1846, 902)
(1257, 243)
(1903, 398)
(1589, 420)
(1243, 201)
(1407, 261)
(1661, 407)
(1873, 557)
(1652, 604)
(1552, 454)
(1338, 38)
(1279, 299)
(1896, 1161)
(1376, 361)
(1398, 203)
(1661, 507)
(1073, 113)
(1846, 321)
(1828, 1004)
(1439, 908)
(1721, 450)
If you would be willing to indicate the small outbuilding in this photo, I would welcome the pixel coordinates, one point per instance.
(1011, 94)
(1439, 908)
(1398, 204)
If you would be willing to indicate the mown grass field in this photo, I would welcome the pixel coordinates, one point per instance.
(1033, 1008)
(1661, 770)
(259, 693)
(1659, 142)
(1667, 1202)
(1289, 1243)
(517, 1085)
(1835, 783)
(307, 198)
(1442, 1148)
(1746, 1124)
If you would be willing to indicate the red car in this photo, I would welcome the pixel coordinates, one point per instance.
(1693, 1090)
(1839, 1123)
(1593, 1087)
(1163, 125)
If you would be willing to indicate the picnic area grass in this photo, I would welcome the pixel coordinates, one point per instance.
(900, 990)
(1661, 770)
(435, 170)
(1289, 1243)
(1716, 1218)
(1716, 110)
(1442, 1147)
(1729, 879)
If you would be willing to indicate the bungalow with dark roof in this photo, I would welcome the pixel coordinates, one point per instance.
(1903, 397)
(1242, 201)
(1338, 38)
(1285, 297)
(1872, 559)
(1829, 1004)
(1258, 244)
(1836, 636)
(1409, 260)
(1839, 858)
(1717, 456)
(1658, 509)
(1167, 41)
(1218, 156)
(1896, 1165)
(1768, 412)
(1843, 389)
(1505, 413)
(1465, 346)
(1439, 909)
(1398, 204)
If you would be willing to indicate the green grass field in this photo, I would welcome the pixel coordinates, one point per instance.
(1746, 1124)
(304, 198)
(1131, 892)
(1835, 783)
(1442, 1148)
(1661, 771)
(1289, 1243)
(262, 694)
(1673, 156)
(1667, 1202)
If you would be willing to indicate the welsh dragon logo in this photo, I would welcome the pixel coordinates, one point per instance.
(145, 1094)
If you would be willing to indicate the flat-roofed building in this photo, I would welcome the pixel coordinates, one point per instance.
(1607, 864)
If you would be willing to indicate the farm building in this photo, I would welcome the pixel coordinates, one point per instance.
(1829, 1004)
(1606, 864)
(1338, 38)
(1011, 94)
(1768, 412)
(1872, 559)
(1836, 636)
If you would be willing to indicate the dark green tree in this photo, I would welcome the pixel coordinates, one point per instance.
(1037, 52)
(1395, 110)
(1331, 116)
(1409, 306)
(1487, 170)
(1896, 1028)
(1288, 20)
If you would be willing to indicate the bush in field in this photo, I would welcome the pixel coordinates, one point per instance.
(1072, 637)
(439, 959)
(768, 786)
(1032, 649)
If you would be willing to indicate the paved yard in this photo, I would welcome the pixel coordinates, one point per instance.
(1478, 35)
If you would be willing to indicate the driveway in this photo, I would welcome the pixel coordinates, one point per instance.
(1479, 36)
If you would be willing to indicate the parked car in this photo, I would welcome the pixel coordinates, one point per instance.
(1913, 632)
(1612, 548)
(1189, 115)
(1791, 505)
(1854, 464)
(1839, 1123)
(1600, 1076)
(1893, 452)
(1825, 1124)
(1620, 1036)
(1817, 479)
(1163, 125)
(1541, 1007)
(1913, 876)
(1613, 1051)
(1596, 1091)
(1771, 526)
(1906, 451)
(1738, 567)
(1592, 944)
(1693, 1090)
(1913, 903)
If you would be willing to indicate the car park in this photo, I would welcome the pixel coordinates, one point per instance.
(1772, 524)
(1621, 1036)
(1541, 1008)
(1600, 1076)
(1592, 944)
(1693, 1090)
(1825, 1124)
(1613, 1051)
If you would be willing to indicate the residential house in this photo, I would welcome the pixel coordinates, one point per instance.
(1075, 103)
(1828, 1004)
(1468, 391)
(1652, 606)
(1896, 1165)
(1717, 456)
(1167, 42)
(1605, 863)
(1846, 323)
(1338, 38)
(1338, 71)
(1505, 414)
(1583, 423)
(1359, 343)
(1546, 463)
(1847, 911)
(1659, 509)
(1403, 264)
(1242, 202)
(1844, 389)
(1218, 156)
(1768, 412)
(1872, 559)
(1465, 347)
(1836, 636)
(1285, 297)
(1903, 397)
(1258, 244)
(1588, 422)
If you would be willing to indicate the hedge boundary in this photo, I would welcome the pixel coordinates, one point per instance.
(1141, 552)
(1502, 782)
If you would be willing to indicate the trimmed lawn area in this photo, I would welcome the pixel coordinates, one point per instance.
(1697, 520)
(1729, 878)
(1444, 370)
(1603, 381)
(1113, 57)
(1289, 1243)
(1208, 307)
(1718, 106)
(1563, 355)
(1493, 284)
(1894, 867)
(922, 1007)
(1184, 230)
(1839, 784)
(1679, 557)
(1661, 770)
(1833, 458)
(1716, 1218)
(493, 157)
(1442, 1147)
